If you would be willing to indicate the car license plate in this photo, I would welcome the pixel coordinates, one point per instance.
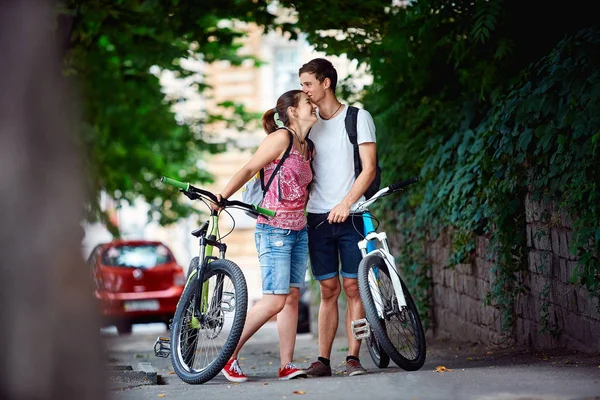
(141, 305)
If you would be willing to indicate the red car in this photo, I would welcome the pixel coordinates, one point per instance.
(135, 282)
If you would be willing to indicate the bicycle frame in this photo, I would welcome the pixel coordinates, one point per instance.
(201, 306)
(392, 325)
(368, 246)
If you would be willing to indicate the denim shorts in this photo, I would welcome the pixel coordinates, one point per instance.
(332, 244)
(283, 257)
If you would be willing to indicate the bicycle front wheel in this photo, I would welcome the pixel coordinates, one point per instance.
(201, 346)
(398, 331)
(378, 355)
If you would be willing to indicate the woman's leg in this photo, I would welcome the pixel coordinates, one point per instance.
(273, 247)
(268, 306)
(287, 323)
(287, 319)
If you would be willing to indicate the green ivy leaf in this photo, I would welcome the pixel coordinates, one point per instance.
(524, 139)
(544, 144)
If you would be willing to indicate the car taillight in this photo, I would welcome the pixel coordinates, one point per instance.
(179, 279)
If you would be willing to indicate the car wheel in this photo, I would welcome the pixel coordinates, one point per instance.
(124, 328)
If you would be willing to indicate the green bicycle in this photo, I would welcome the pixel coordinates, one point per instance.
(211, 311)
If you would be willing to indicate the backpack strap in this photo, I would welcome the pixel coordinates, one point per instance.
(311, 149)
(283, 158)
(351, 122)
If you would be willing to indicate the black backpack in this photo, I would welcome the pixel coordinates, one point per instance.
(351, 128)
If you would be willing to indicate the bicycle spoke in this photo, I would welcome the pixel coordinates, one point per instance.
(399, 324)
(202, 342)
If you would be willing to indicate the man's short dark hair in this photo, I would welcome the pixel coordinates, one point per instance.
(322, 69)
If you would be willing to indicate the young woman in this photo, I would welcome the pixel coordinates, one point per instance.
(281, 241)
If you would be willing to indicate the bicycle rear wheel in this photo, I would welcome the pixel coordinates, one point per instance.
(200, 347)
(398, 331)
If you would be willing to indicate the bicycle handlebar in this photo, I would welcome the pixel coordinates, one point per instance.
(177, 184)
(186, 187)
(362, 206)
(398, 185)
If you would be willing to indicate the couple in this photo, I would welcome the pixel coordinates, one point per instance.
(327, 232)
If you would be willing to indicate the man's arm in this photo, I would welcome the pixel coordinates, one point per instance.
(368, 158)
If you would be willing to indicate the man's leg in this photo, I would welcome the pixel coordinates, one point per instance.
(323, 251)
(350, 233)
(354, 311)
(328, 315)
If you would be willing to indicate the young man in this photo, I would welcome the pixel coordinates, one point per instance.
(332, 231)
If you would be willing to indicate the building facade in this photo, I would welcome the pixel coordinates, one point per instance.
(257, 88)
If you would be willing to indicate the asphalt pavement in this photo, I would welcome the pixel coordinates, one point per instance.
(452, 371)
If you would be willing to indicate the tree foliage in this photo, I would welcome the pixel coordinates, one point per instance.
(128, 132)
(477, 97)
(461, 98)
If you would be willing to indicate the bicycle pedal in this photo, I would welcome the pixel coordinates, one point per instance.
(162, 347)
(361, 329)
(228, 302)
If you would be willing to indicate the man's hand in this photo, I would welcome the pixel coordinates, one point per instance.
(339, 213)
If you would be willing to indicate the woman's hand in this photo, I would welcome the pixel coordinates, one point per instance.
(218, 205)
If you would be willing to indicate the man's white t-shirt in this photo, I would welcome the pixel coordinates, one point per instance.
(334, 160)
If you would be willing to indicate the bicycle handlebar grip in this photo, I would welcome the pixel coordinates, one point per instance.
(177, 184)
(398, 185)
(265, 211)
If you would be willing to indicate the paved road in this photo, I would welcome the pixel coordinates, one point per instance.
(476, 373)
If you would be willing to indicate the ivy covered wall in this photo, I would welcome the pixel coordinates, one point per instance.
(511, 211)
(495, 105)
(550, 312)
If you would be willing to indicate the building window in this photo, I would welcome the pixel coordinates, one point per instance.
(286, 70)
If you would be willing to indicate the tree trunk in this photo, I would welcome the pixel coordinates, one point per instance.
(49, 335)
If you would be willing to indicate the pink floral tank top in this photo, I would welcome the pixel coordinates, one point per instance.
(287, 194)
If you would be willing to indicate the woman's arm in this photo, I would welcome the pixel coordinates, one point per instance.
(271, 148)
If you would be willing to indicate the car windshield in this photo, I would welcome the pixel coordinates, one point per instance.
(142, 256)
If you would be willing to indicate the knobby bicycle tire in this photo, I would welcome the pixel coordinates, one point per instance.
(194, 362)
(378, 355)
(400, 332)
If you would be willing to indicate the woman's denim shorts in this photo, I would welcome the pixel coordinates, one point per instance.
(283, 257)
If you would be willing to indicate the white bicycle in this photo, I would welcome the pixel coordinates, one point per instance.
(392, 327)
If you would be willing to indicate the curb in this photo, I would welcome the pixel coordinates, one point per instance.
(150, 372)
(122, 377)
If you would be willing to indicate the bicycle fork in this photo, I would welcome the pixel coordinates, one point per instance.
(361, 328)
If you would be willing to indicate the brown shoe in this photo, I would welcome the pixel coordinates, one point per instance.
(318, 369)
(353, 367)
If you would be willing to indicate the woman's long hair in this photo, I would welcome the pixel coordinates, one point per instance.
(290, 98)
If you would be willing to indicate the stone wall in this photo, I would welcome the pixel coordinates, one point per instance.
(553, 312)
(457, 303)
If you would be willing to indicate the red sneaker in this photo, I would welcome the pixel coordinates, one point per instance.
(290, 371)
(233, 372)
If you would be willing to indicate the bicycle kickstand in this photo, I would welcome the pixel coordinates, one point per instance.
(361, 329)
